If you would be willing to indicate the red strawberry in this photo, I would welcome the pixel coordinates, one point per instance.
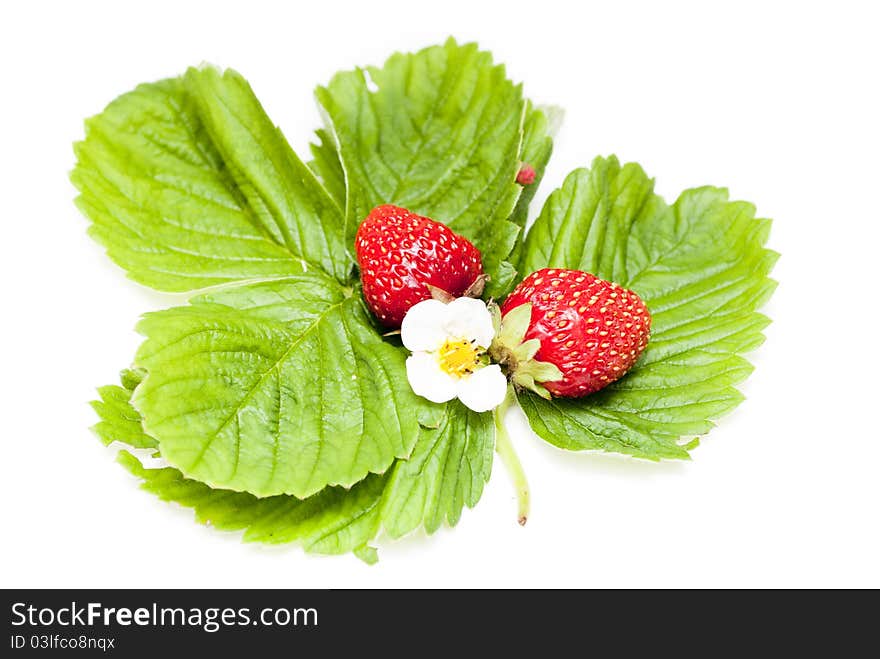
(591, 329)
(526, 174)
(405, 258)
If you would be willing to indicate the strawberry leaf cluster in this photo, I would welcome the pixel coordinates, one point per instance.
(279, 405)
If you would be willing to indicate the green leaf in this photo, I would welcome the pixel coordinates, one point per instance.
(447, 471)
(440, 135)
(327, 166)
(367, 554)
(702, 270)
(280, 387)
(119, 421)
(540, 126)
(587, 224)
(334, 521)
(450, 464)
(188, 184)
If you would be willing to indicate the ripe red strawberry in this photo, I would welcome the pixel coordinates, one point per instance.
(591, 329)
(402, 254)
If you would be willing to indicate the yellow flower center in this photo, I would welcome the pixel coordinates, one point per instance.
(459, 357)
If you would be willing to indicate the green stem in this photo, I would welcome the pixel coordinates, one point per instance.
(511, 461)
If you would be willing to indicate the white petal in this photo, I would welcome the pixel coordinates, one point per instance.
(469, 318)
(428, 380)
(422, 327)
(484, 390)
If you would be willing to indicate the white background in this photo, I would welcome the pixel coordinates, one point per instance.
(779, 102)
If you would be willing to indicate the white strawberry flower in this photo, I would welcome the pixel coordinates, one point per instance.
(448, 344)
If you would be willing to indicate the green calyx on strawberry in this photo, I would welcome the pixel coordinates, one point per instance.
(516, 354)
(591, 331)
(405, 258)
